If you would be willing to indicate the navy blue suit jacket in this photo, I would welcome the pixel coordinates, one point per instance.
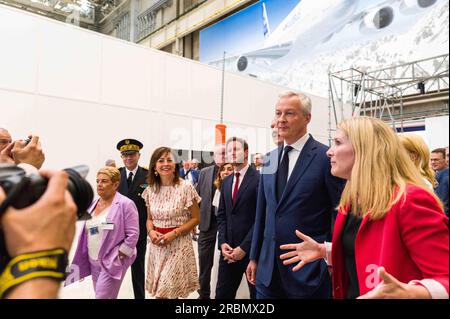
(235, 222)
(134, 193)
(442, 188)
(307, 204)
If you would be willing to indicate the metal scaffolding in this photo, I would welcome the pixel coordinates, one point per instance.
(382, 93)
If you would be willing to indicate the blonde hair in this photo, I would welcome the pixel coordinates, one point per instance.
(420, 154)
(381, 170)
(112, 172)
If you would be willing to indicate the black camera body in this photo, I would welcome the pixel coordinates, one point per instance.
(23, 190)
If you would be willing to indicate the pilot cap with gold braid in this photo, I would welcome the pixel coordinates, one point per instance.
(129, 145)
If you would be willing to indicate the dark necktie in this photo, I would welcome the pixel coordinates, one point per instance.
(130, 179)
(236, 186)
(283, 171)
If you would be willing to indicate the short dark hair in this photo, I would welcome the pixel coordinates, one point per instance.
(439, 150)
(237, 139)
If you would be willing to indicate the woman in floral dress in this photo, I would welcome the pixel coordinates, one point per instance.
(173, 211)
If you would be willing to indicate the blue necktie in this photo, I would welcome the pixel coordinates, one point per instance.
(283, 171)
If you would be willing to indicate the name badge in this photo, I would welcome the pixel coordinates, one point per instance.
(108, 226)
(93, 231)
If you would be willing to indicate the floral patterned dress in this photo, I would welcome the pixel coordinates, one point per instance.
(171, 269)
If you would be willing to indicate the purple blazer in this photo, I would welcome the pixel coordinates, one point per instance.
(124, 215)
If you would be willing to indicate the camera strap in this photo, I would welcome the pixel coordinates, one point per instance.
(45, 264)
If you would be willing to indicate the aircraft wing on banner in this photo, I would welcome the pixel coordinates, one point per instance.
(262, 56)
(314, 22)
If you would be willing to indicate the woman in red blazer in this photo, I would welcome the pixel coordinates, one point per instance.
(391, 236)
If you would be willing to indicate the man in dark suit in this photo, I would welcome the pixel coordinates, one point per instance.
(296, 191)
(208, 221)
(235, 218)
(132, 184)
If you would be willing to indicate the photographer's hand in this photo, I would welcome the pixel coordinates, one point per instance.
(47, 224)
(6, 156)
(29, 154)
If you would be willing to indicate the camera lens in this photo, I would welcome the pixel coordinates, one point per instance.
(23, 190)
(80, 190)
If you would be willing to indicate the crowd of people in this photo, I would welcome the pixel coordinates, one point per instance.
(364, 218)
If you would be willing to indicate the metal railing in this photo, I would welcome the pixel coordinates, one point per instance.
(380, 92)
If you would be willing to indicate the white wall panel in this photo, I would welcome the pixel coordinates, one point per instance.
(203, 134)
(238, 98)
(124, 123)
(263, 101)
(206, 86)
(125, 74)
(157, 81)
(17, 113)
(436, 129)
(176, 132)
(18, 33)
(178, 93)
(69, 62)
(319, 119)
(67, 129)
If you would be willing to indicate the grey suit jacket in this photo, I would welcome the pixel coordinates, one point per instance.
(204, 189)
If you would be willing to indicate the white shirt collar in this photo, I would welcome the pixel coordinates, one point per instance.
(300, 143)
(243, 170)
(133, 171)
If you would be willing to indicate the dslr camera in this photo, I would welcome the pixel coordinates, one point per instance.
(23, 190)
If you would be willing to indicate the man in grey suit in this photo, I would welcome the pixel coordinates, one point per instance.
(208, 221)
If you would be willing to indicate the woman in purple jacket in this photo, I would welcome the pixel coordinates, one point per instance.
(107, 243)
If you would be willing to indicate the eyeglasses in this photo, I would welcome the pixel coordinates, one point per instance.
(128, 155)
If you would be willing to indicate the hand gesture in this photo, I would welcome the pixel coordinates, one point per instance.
(238, 254)
(47, 224)
(166, 239)
(154, 236)
(391, 288)
(30, 153)
(305, 252)
(227, 252)
(6, 156)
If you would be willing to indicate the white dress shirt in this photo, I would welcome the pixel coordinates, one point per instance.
(133, 171)
(241, 177)
(188, 175)
(94, 231)
(216, 199)
(295, 152)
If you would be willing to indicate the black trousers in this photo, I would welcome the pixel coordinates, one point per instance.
(138, 270)
(206, 248)
(230, 277)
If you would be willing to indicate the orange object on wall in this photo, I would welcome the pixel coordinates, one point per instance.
(221, 132)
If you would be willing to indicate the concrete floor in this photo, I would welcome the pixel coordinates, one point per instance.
(85, 290)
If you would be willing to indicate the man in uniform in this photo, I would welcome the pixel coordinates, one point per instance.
(132, 183)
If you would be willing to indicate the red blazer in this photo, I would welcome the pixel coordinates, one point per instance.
(411, 242)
